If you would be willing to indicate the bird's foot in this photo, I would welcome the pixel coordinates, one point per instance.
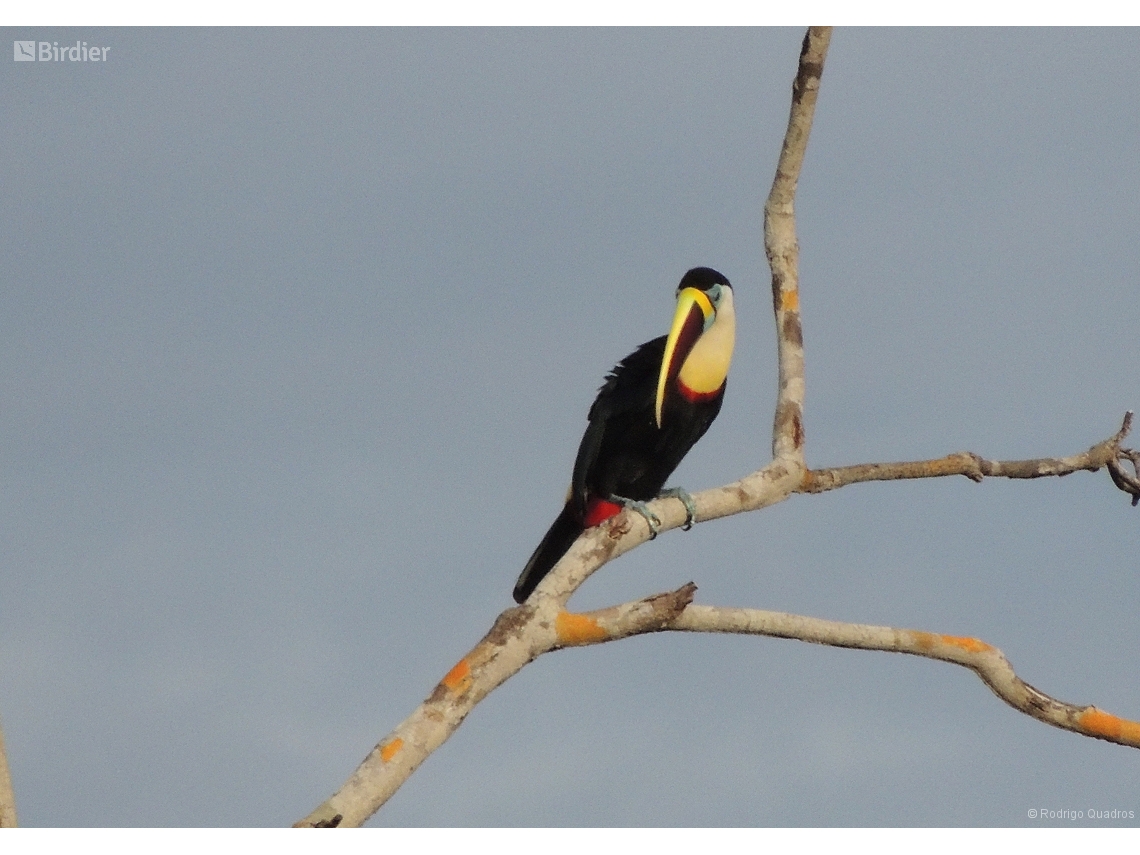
(686, 500)
(650, 518)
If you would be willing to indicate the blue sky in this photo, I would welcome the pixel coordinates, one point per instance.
(298, 331)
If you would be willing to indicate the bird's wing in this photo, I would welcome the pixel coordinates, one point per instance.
(630, 387)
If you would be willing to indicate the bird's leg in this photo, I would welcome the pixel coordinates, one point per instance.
(686, 500)
(650, 518)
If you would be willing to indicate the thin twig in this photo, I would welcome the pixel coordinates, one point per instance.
(1108, 454)
(1129, 483)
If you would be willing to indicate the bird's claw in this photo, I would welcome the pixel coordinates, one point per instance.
(651, 519)
(690, 507)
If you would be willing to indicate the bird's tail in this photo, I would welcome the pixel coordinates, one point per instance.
(554, 545)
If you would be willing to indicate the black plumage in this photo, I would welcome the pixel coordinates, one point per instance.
(624, 453)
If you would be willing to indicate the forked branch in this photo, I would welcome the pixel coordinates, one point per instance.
(542, 624)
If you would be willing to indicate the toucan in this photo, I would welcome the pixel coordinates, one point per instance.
(653, 407)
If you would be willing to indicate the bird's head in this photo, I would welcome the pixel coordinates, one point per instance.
(698, 350)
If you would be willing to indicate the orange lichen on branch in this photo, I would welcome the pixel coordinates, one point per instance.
(1096, 722)
(390, 749)
(790, 300)
(970, 645)
(928, 641)
(458, 676)
(578, 629)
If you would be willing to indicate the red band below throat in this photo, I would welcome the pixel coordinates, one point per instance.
(697, 397)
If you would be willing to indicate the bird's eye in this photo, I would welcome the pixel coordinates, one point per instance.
(714, 294)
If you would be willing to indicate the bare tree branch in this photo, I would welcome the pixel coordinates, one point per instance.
(7, 794)
(521, 634)
(981, 658)
(1108, 453)
(673, 611)
(542, 624)
(783, 248)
